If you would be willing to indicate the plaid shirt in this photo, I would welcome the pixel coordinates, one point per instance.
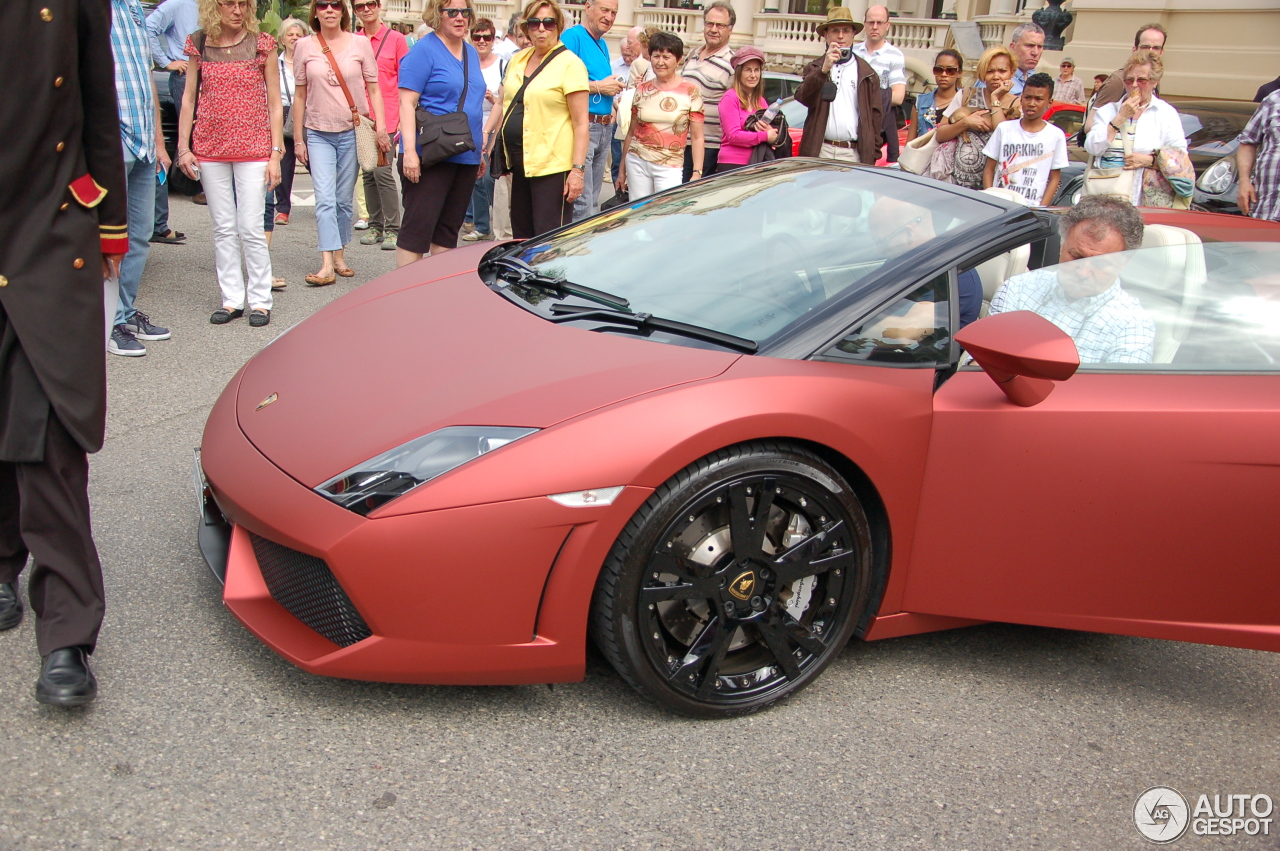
(1110, 327)
(1263, 130)
(133, 79)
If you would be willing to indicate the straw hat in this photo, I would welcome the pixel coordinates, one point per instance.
(839, 15)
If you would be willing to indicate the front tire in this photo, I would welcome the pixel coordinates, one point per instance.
(736, 582)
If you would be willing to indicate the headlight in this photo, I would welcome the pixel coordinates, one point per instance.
(1219, 177)
(381, 479)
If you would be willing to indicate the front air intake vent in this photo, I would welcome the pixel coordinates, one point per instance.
(307, 589)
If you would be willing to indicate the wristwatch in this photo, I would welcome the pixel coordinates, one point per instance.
(582, 167)
(276, 150)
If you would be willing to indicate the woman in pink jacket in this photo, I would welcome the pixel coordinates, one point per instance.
(738, 105)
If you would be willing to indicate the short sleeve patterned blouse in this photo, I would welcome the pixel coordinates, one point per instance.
(232, 121)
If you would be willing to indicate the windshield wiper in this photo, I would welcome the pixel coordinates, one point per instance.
(526, 275)
(647, 321)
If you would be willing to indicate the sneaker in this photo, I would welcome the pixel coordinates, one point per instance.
(468, 227)
(123, 342)
(389, 242)
(361, 224)
(373, 237)
(477, 236)
(282, 218)
(140, 326)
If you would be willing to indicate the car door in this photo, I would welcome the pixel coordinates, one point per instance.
(1138, 498)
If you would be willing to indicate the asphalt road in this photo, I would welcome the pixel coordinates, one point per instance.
(988, 737)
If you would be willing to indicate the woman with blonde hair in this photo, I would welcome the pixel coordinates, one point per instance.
(542, 127)
(1144, 133)
(324, 135)
(441, 71)
(234, 147)
(738, 124)
(970, 126)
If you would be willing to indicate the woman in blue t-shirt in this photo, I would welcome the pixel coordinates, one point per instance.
(432, 76)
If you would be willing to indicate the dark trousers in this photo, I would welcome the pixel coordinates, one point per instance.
(710, 159)
(177, 85)
(44, 512)
(890, 125)
(287, 165)
(537, 204)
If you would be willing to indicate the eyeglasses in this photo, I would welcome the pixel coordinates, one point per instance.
(886, 242)
(1157, 48)
(1066, 65)
(482, 37)
(234, 4)
(1140, 81)
(456, 13)
(541, 23)
(712, 25)
(329, 4)
(945, 70)
(360, 7)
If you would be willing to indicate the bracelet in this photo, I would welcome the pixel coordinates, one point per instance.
(1113, 125)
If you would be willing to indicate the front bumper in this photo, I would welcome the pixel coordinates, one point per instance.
(483, 594)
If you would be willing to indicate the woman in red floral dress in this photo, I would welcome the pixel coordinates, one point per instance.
(235, 147)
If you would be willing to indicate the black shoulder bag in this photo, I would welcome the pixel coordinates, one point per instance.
(498, 160)
(444, 136)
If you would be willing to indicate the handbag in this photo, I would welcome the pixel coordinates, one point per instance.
(498, 159)
(442, 136)
(368, 154)
(1114, 182)
(918, 153)
(764, 152)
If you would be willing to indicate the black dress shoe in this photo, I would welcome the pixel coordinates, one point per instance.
(65, 679)
(10, 606)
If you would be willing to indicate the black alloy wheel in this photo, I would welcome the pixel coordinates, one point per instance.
(737, 582)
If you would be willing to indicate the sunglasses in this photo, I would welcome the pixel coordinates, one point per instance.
(456, 13)
(360, 7)
(1141, 81)
(943, 69)
(541, 23)
(328, 4)
(482, 37)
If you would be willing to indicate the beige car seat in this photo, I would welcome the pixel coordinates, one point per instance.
(1002, 267)
(1167, 282)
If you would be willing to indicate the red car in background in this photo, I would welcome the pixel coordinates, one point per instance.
(724, 429)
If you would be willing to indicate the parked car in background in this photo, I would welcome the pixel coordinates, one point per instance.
(779, 85)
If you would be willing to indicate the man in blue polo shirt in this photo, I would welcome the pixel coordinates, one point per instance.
(587, 41)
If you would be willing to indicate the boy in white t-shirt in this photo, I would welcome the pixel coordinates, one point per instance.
(1027, 156)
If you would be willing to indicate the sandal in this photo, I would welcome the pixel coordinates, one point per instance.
(222, 315)
(170, 237)
(317, 281)
(259, 317)
(346, 272)
(278, 283)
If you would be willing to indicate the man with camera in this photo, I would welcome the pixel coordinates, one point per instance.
(842, 93)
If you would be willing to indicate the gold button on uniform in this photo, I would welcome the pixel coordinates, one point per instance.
(4, 282)
(46, 15)
(61, 145)
(79, 264)
(65, 205)
(57, 82)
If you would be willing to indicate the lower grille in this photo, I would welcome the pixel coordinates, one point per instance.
(306, 588)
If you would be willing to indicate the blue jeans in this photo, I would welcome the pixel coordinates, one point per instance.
(332, 160)
(588, 203)
(140, 189)
(481, 201)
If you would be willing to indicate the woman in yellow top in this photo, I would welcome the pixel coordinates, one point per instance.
(542, 126)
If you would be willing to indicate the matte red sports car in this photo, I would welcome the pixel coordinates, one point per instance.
(726, 428)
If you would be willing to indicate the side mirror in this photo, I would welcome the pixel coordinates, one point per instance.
(1023, 352)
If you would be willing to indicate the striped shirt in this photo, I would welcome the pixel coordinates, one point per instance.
(1263, 130)
(714, 76)
(133, 79)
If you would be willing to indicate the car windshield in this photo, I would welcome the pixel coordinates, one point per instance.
(747, 253)
(1178, 305)
(1213, 132)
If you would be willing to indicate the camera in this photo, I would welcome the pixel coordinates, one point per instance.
(845, 53)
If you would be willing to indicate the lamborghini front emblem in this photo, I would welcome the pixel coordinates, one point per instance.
(743, 585)
(266, 401)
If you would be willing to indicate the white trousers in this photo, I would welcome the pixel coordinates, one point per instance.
(645, 178)
(236, 193)
(835, 152)
(500, 223)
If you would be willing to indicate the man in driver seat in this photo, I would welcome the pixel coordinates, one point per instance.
(1084, 297)
(898, 227)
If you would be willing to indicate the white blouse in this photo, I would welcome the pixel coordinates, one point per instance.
(1158, 127)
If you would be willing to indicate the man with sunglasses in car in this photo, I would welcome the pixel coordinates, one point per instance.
(381, 194)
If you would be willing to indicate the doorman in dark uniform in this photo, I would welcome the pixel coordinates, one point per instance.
(62, 224)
